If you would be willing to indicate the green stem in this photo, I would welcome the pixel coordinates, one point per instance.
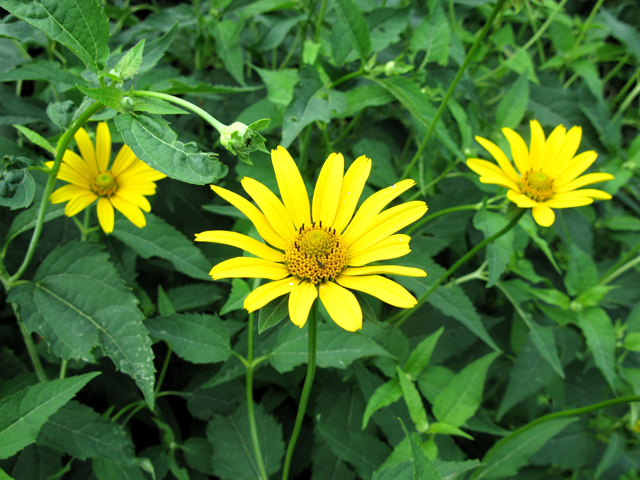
(624, 259)
(496, 9)
(319, 20)
(401, 317)
(163, 372)
(63, 369)
(459, 208)
(126, 408)
(627, 101)
(625, 87)
(306, 389)
(85, 225)
(347, 77)
(620, 271)
(33, 354)
(587, 23)
(61, 148)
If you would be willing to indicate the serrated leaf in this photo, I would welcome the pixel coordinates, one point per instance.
(386, 394)
(239, 291)
(432, 35)
(157, 145)
(23, 414)
(79, 25)
(159, 239)
(227, 36)
(413, 400)
(36, 138)
(352, 20)
(198, 453)
(165, 307)
(110, 96)
(190, 297)
(582, 273)
(500, 250)
(421, 354)
(273, 313)
(77, 301)
(280, 84)
(198, 338)
(513, 106)
(108, 470)
(601, 338)
(129, 64)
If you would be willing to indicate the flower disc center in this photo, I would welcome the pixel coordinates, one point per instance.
(537, 185)
(104, 184)
(316, 254)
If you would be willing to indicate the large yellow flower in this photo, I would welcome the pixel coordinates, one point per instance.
(320, 250)
(548, 173)
(124, 186)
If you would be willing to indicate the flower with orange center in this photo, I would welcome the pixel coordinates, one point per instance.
(122, 186)
(548, 173)
(320, 249)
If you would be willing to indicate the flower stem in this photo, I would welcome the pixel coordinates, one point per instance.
(306, 389)
(33, 354)
(402, 316)
(620, 271)
(609, 274)
(459, 208)
(61, 148)
(489, 23)
(163, 372)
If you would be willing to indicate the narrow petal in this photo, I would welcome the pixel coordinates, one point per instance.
(141, 171)
(568, 202)
(87, 150)
(68, 174)
(264, 228)
(491, 173)
(267, 292)
(583, 181)
(129, 210)
(105, 214)
(79, 202)
(131, 195)
(380, 287)
(519, 150)
(66, 193)
(76, 162)
(384, 269)
(587, 192)
(552, 147)
(342, 306)
(568, 149)
(292, 190)
(543, 215)
(249, 267)
(352, 186)
(521, 199)
(300, 301)
(326, 195)
(393, 246)
(123, 160)
(271, 206)
(576, 167)
(103, 146)
(244, 242)
(501, 158)
(142, 187)
(537, 145)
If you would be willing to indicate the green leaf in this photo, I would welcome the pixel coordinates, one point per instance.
(529, 226)
(17, 187)
(513, 106)
(612, 454)
(227, 36)
(593, 296)
(273, 313)
(23, 414)
(446, 429)
(110, 96)
(198, 338)
(36, 138)
(423, 468)
(77, 301)
(414, 401)
(432, 36)
(27, 220)
(155, 50)
(79, 25)
(551, 296)
(61, 113)
(239, 291)
(358, 98)
(159, 239)
(460, 399)
(233, 455)
(421, 354)
(198, 454)
(352, 20)
(4, 476)
(336, 347)
(632, 341)
(43, 70)
(582, 273)
(622, 223)
(500, 250)
(601, 339)
(108, 470)
(152, 105)
(386, 394)
(129, 64)
(280, 84)
(79, 431)
(190, 297)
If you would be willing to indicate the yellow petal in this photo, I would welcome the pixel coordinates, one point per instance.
(326, 195)
(244, 242)
(352, 186)
(130, 194)
(391, 247)
(491, 173)
(76, 162)
(271, 206)
(521, 199)
(565, 157)
(66, 193)
(519, 150)
(129, 210)
(141, 187)
(249, 267)
(103, 146)
(587, 192)
(79, 202)
(588, 179)
(86, 150)
(68, 174)
(105, 214)
(576, 167)
(543, 215)
(501, 158)
(264, 228)
(568, 202)
(123, 160)
(380, 287)
(537, 145)
(292, 190)
(267, 292)
(384, 269)
(141, 171)
(300, 301)
(341, 305)
(552, 147)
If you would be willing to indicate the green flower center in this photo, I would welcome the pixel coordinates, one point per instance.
(537, 185)
(104, 184)
(316, 254)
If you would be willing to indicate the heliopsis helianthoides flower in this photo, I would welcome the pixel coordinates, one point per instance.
(122, 186)
(320, 249)
(548, 172)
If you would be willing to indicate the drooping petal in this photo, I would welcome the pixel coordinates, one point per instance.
(123, 160)
(521, 200)
(129, 210)
(105, 214)
(576, 167)
(271, 206)
(326, 195)
(519, 150)
(249, 267)
(393, 246)
(537, 145)
(79, 202)
(583, 181)
(292, 190)
(267, 292)
(352, 186)
(130, 194)
(244, 242)
(66, 193)
(384, 269)
(380, 287)
(501, 158)
(103, 146)
(87, 150)
(301, 299)
(491, 173)
(543, 215)
(341, 305)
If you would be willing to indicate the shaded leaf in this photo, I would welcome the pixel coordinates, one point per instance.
(601, 338)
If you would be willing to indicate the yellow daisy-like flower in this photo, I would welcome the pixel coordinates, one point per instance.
(548, 172)
(322, 249)
(124, 186)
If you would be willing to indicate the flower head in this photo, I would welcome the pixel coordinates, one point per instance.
(123, 186)
(548, 172)
(320, 248)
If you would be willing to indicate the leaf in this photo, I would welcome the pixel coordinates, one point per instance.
(432, 36)
(157, 145)
(280, 84)
(336, 348)
(273, 313)
(110, 96)
(36, 138)
(23, 414)
(198, 453)
(386, 394)
(353, 21)
(601, 339)
(197, 338)
(582, 273)
(154, 51)
(77, 301)
(79, 25)
(612, 454)
(421, 354)
(414, 401)
(358, 98)
(239, 291)
(227, 36)
(529, 226)
(130, 62)
(156, 106)
(17, 187)
(190, 297)
(33, 462)
(159, 239)
(446, 429)
(513, 105)
(623, 32)
(79, 431)
(43, 70)
(26, 220)
(108, 470)
(460, 399)
(423, 468)
(500, 250)
(233, 455)
(4, 476)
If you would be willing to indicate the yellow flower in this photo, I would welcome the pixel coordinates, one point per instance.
(320, 250)
(124, 186)
(548, 173)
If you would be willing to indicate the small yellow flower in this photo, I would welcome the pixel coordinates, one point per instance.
(124, 186)
(320, 249)
(548, 173)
